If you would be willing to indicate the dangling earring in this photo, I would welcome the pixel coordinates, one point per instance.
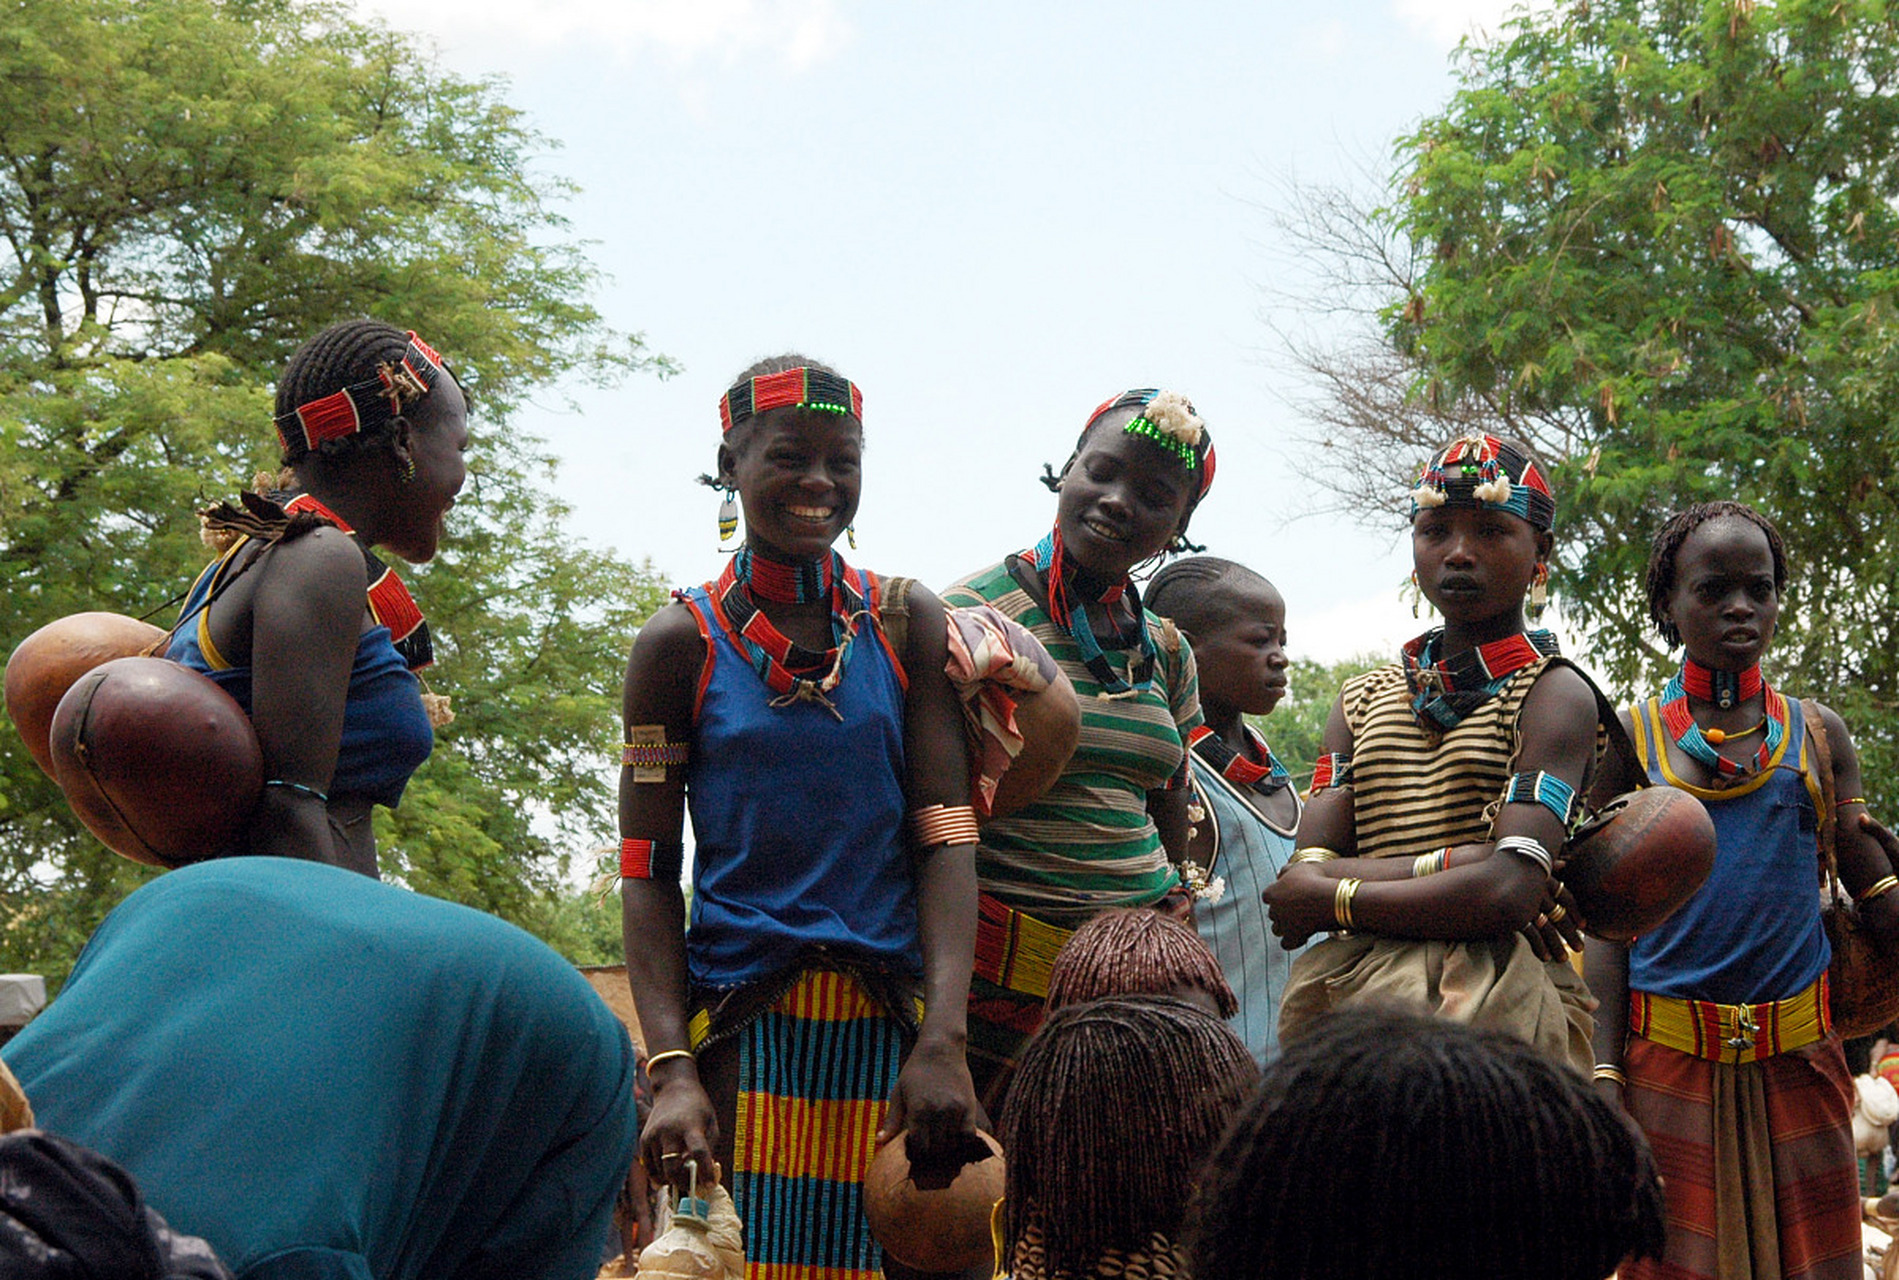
(850, 534)
(408, 469)
(728, 515)
(1539, 592)
(1412, 593)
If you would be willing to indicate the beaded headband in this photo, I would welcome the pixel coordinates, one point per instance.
(1479, 470)
(804, 387)
(1168, 421)
(362, 405)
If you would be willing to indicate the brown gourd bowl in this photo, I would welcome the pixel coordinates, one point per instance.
(158, 762)
(1638, 860)
(46, 664)
(937, 1218)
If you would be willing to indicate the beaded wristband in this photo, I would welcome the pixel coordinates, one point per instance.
(941, 824)
(654, 755)
(1609, 1071)
(1342, 901)
(1547, 790)
(651, 859)
(1877, 889)
(1529, 847)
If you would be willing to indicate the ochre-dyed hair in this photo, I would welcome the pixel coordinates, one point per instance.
(1135, 952)
(342, 355)
(1394, 1146)
(1115, 1105)
(1667, 546)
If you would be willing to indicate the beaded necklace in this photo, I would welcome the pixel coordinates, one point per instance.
(1695, 680)
(784, 582)
(792, 672)
(1069, 584)
(1444, 691)
(1264, 779)
(389, 600)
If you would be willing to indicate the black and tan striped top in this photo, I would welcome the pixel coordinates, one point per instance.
(1416, 790)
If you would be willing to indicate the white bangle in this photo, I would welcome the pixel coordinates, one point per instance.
(1531, 848)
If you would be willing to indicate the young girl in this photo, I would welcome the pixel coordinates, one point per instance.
(1237, 623)
(833, 873)
(1108, 832)
(1714, 1028)
(1480, 737)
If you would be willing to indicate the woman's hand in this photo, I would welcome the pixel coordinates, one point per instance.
(1300, 903)
(935, 1099)
(682, 1126)
(1557, 928)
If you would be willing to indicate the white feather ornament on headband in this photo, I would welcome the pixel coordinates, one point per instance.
(1497, 491)
(1425, 496)
(1171, 412)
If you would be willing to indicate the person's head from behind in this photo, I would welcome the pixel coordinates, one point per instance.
(1110, 1115)
(1138, 952)
(1394, 1145)
(1236, 621)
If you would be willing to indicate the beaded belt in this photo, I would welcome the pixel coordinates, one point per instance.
(1013, 950)
(1732, 1032)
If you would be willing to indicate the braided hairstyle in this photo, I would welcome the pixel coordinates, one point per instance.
(344, 354)
(1136, 952)
(1112, 1110)
(1667, 546)
(1190, 592)
(1487, 1160)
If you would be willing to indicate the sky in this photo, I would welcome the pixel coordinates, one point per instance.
(991, 217)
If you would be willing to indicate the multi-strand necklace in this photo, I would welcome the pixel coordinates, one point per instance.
(1070, 587)
(1445, 690)
(792, 672)
(1725, 689)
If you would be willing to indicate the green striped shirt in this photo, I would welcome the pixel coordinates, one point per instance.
(1088, 843)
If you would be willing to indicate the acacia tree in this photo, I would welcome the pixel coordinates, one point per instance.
(1658, 240)
(189, 188)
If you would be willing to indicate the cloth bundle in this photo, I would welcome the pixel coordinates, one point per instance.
(991, 660)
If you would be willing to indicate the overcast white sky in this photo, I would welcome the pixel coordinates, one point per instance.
(991, 216)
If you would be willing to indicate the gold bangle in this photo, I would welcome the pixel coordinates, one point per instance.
(941, 824)
(1312, 853)
(1841, 804)
(668, 1056)
(1342, 902)
(1878, 887)
(1609, 1071)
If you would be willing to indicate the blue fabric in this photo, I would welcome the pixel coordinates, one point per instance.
(386, 731)
(797, 819)
(324, 1077)
(1752, 932)
(1236, 929)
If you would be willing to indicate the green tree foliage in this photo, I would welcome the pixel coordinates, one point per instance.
(1658, 240)
(188, 189)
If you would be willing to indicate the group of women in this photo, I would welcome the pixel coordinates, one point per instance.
(868, 950)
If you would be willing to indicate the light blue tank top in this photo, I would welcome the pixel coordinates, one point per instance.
(797, 816)
(1752, 932)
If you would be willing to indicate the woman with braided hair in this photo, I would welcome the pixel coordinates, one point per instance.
(1389, 1146)
(1115, 1106)
(1111, 829)
(300, 622)
(1137, 952)
(816, 1001)
(1752, 1125)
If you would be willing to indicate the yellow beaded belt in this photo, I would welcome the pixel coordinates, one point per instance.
(1013, 950)
(1732, 1032)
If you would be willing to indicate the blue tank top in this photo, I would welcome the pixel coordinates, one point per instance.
(386, 732)
(797, 816)
(1752, 932)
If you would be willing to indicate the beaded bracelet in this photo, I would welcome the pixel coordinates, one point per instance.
(940, 824)
(1547, 790)
(1342, 901)
(1878, 888)
(1609, 1071)
(652, 859)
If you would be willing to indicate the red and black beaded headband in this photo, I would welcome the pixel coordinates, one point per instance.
(804, 387)
(1169, 421)
(363, 405)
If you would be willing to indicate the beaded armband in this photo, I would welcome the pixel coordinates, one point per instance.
(941, 824)
(1333, 769)
(652, 859)
(1549, 791)
(649, 755)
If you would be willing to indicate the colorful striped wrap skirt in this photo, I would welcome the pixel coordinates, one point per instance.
(1757, 1161)
(800, 1072)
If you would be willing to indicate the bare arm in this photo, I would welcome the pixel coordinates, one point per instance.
(1863, 861)
(1328, 821)
(661, 681)
(1606, 970)
(934, 1096)
(306, 618)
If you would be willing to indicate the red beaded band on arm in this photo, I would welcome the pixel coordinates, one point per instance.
(652, 859)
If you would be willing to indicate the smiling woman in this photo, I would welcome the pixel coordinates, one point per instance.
(1109, 831)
